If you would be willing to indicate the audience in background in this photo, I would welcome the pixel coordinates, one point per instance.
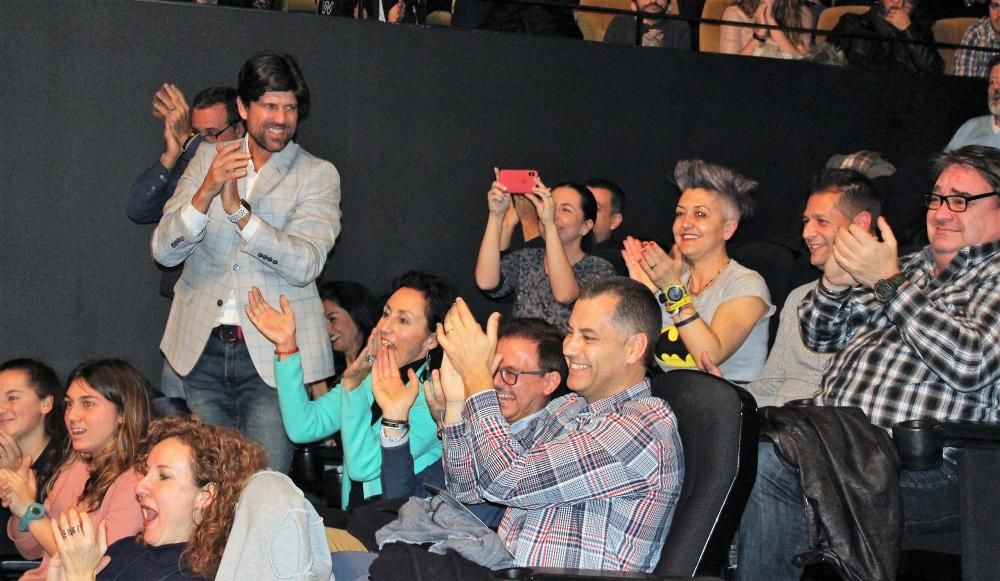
(983, 130)
(32, 429)
(732, 39)
(610, 200)
(887, 37)
(511, 17)
(885, 319)
(710, 303)
(545, 281)
(984, 33)
(837, 199)
(107, 411)
(656, 32)
(193, 474)
(777, 43)
(352, 311)
(399, 351)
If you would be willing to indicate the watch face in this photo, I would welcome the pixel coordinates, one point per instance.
(675, 293)
(884, 290)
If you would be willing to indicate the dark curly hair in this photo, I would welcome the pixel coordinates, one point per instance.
(219, 456)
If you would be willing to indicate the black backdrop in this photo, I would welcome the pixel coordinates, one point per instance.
(414, 118)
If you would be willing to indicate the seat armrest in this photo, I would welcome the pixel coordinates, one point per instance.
(970, 434)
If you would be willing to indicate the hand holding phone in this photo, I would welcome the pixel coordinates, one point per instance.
(518, 181)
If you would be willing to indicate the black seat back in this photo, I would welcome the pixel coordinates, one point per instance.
(718, 426)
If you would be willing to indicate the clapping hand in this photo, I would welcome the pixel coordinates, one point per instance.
(468, 347)
(277, 326)
(81, 547)
(392, 395)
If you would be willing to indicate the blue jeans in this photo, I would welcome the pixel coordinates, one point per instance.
(224, 389)
(773, 528)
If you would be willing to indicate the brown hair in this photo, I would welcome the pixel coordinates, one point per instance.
(219, 456)
(121, 384)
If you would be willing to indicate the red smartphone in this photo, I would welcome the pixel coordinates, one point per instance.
(518, 181)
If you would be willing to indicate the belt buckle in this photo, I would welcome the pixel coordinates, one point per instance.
(229, 333)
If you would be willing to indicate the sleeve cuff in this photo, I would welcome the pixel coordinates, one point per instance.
(193, 220)
(250, 229)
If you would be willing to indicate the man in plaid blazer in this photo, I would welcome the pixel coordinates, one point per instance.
(262, 212)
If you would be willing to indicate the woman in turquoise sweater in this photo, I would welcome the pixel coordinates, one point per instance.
(404, 337)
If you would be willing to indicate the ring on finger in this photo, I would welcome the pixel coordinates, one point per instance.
(652, 267)
(369, 359)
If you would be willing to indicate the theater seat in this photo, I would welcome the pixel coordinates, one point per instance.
(718, 427)
(829, 18)
(978, 538)
(709, 34)
(950, 31)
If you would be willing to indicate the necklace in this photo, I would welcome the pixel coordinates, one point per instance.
(709, 283)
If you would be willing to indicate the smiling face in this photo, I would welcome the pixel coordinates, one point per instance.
(600, 357)
(403, 326)
(569, 220)
(531, 392)
(91, 419)
(22, 412)
(271, 120)
(169, 495)
(820, 222)
(213, 124)
(701, 226)
(950, 231)
(344, 334)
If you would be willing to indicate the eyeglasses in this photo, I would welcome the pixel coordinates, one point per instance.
(954, 203)
(509, 375)
(213, 134)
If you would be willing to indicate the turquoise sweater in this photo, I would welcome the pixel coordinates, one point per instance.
(350, 413)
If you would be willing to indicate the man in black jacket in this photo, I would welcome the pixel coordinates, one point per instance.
(886, 37)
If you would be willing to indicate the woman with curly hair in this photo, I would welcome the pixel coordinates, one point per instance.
(107, 410)
(193, 475)
(769, 42)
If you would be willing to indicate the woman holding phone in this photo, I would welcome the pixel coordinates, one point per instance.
(545, 281)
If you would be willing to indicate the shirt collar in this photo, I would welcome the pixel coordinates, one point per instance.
(636, 391)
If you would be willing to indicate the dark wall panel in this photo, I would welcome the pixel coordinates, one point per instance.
(415, 119)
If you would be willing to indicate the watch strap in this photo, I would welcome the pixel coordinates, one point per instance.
(241, 213)
(34, 512)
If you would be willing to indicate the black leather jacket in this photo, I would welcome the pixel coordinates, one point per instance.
(861, 36)
(849, 472)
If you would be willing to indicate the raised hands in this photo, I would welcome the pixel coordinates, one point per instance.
(170, 105)
(498, 198)
(863, 257)
(470, 350)
(660, 268)
(445, 393)
(277, 326)
(18, 488)
(10, 452)
(81, 546)
(359, 369)
(392, 395)
(541, 197)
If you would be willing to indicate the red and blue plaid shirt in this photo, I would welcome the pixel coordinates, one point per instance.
(590, 487)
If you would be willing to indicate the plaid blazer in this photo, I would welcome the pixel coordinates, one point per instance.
(296, 203)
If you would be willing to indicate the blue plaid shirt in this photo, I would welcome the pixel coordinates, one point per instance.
(589, 487)
(973, 63)
(933, 351)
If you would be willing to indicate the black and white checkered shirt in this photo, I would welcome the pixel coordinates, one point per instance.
(930, 352)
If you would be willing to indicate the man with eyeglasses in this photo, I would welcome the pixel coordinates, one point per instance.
(985, 129)
(530, 368)
(983, 33)
(212, 117)
(913, 337)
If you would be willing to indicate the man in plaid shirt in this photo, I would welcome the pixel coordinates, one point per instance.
(593, 481)
(984, 33)
(915, 337)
